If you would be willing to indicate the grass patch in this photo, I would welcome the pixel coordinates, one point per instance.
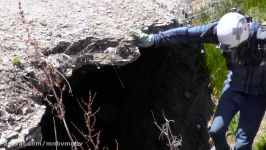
(216, 65)
(15, 59)
(261, 144)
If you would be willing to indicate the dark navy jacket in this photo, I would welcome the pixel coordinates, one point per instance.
(247, 63)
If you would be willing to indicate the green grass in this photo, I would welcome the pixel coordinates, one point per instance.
(261, 144)
(216, 65)
(15, 59)
(254, 8)
(233, 128)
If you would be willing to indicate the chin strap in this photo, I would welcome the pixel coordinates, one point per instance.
(223, 47)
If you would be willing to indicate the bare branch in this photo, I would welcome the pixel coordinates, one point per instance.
(55, 133)
(92, 137)
(172, 141)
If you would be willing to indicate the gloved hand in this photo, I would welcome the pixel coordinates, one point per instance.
(144, 40)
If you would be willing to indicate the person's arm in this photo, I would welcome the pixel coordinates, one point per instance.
(187, 35)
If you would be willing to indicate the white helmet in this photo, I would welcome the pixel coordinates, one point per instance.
(232, 29)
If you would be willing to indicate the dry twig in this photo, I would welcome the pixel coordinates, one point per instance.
(54, 81)
(92, 137)
(172, 141)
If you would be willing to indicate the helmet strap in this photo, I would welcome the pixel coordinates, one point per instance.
(223, 47)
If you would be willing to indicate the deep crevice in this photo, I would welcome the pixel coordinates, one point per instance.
(165, 79)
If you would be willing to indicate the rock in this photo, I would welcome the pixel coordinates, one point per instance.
(18, 117)
(4, 116)
(9, 134)
(15, 143)
(18, 128)
(33, 135)
(26, 110)
(3, 141)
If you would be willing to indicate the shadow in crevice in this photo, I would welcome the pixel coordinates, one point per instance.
(165, 79)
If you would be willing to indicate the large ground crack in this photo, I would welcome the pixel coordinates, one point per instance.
(166, 79)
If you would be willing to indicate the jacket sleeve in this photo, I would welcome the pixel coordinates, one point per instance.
(187, 35)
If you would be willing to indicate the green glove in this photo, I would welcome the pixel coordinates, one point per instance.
(144, 40)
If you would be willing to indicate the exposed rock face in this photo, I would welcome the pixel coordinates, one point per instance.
(70, 35)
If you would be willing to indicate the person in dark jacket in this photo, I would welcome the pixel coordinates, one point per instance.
(243, 43)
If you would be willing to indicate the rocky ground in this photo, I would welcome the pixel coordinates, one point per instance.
(68, 34)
